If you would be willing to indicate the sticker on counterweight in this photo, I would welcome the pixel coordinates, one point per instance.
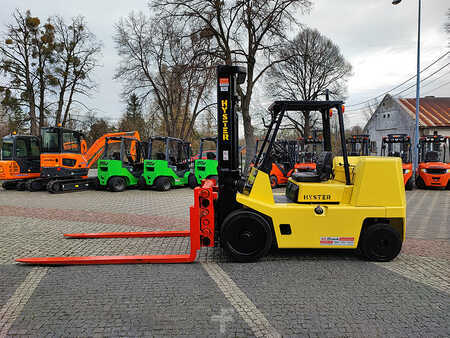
(337, 241)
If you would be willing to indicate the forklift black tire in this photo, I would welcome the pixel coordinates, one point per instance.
(420, 183)
(273, 181)
(162, 183)
(246, 235)
(142, 184)
(192, 181)
(409, 184)
(117, 184)
(380, 243)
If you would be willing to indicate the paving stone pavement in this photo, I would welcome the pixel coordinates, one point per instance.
(289, 293)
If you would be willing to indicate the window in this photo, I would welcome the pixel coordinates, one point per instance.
(7, 149)
(34, 147)
(21, 148)
(50, 142)
(71, 142)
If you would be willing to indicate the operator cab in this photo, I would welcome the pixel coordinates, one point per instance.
(129, 151)
(173, 150)
(324, 163)
(433, 148)
(24, 151)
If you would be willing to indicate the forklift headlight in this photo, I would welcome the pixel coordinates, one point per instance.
(448, 171)
(405, 171)
(424, 170)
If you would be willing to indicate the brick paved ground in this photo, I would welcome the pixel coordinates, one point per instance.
(289, 293)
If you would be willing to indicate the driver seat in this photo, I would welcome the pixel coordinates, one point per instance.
(432, 156)
(324, 168)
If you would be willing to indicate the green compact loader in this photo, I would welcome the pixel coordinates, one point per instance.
(205, 164)
(167, 165)
(122, 163)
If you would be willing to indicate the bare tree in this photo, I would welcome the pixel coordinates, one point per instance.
(42, 61)
(78, 50)
(26, 51)
(160, 62)
(246, 32)
(313, 63)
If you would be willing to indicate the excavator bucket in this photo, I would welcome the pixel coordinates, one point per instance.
(201, 234)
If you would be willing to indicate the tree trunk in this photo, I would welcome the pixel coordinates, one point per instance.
(249, 135)
(307, 127)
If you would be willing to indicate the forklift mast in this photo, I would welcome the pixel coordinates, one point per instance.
(397, 145)
(359, 145)
(228, 79)
(433, 148)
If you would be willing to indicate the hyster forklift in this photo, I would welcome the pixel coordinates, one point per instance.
(344, 204)
(433, 169)
(19, 160)
(399, 145)
(122, 163)
(168, 163)
(359, 145)
(204, 168)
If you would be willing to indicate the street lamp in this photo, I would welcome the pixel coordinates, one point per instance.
(416, 136)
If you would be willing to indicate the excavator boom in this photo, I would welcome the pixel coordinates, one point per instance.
(96, 150)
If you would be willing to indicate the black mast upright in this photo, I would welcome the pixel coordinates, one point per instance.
(228, 79)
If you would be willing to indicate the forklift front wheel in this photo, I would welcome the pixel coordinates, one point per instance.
(192, 181)
(380, 243)
(162, 184)
(420, 183)
(246, 235)
(409, 184)
(117, 184)
(273, 181)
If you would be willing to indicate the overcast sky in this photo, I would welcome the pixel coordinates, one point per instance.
(377, 38)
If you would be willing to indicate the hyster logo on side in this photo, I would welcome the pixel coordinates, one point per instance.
(225, 135)
(317, 197)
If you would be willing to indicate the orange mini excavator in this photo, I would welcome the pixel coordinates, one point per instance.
(64, 161)
(19, 159)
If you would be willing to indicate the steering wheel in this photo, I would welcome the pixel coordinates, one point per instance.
(129, 157)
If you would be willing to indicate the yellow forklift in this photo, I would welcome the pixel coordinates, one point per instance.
(345, 203)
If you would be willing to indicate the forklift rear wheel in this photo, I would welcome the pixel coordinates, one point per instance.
(192, 181)
(409, 184)
(246, 235)
(162, 184)
(142, 183)
(117, 184)
(380, 243)
(420, 183)
(273, 181)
